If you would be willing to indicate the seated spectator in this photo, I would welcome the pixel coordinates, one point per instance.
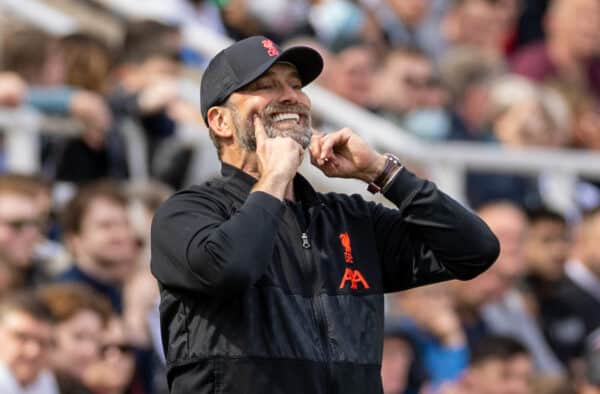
(407, 91)
(20, 233)
(413, 23)
(482, 25)
(353, 77)
(81, 316)
(100, 237)
(26, 338)
(524, 114)
(510, 314)
(113, 372)
(570, 52)
(430, 320)
(499, 365)
(400, 367)
(578, 294)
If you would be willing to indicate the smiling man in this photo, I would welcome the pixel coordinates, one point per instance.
(270, 287)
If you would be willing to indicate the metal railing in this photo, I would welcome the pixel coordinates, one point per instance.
(444, 162)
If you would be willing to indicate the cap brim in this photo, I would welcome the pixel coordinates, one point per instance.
(307, 61)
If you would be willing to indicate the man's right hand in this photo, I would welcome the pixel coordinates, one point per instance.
(278, 161)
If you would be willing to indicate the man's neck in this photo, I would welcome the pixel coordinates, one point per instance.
(248, 163)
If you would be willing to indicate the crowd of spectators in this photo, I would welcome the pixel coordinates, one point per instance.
(78, 304)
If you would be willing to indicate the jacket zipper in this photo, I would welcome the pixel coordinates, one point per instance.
(318, 312)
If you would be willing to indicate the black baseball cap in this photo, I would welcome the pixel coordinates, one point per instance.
(244, 61)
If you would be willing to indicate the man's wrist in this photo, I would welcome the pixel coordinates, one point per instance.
(390, 168)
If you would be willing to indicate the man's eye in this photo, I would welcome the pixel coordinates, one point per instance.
(264, 85)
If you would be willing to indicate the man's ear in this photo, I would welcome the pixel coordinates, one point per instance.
(220, 121)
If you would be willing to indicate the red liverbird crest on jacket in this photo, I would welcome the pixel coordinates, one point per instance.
(350, 275)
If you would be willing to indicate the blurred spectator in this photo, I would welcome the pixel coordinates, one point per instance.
(400, 369)
(100, 237)
(510, 314)
(407, 91)
(353, 78)
(81, 316)
(578, 294)
(413, 23)
(88, 61)
(552, 385)
(468, 76)
(482, 25)
(524, 114)
(499, 365)
(340, 23)
(430, 320)
(12, 89)
(546, 248)
(26, 337)
(20, 231)
(570, 51)
(148, 90)
(113, 372)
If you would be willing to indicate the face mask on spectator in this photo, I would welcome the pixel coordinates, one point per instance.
(430, 123)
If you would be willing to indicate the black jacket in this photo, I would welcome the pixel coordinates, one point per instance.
(260, 296)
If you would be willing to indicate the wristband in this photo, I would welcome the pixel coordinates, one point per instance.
(392, 165)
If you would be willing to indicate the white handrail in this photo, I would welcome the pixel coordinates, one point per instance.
(40, 14)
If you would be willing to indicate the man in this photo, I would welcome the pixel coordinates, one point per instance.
(570, 53)
(26, 337)
(499, 365)
(268, 286)
(578, 294)
(20, 225)
(100, 237)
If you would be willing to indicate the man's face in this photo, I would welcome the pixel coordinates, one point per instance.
(546, 248)
(77, 342)
(276, 97)
(107, 239)
(19, 229)
(395, 364)
(25, 345)
(577, 24)
(497, 376)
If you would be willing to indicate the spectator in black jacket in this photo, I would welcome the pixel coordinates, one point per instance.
(269, 286)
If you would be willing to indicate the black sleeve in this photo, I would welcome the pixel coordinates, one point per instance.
(430, 237)
(197, 245)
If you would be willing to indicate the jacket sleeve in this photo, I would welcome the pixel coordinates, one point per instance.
(430, 237)
(198, 246)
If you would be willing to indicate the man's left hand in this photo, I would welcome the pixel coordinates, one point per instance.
(344, 154)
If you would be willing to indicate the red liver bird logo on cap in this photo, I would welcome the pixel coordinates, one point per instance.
(269, 45)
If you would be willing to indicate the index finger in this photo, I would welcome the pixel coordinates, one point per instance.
(259, 130)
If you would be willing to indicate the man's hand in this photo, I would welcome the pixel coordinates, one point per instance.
(93, 112)
(278, 161)
(12, 89)
(344, 154)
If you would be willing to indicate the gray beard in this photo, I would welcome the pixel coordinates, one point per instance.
(244, 129)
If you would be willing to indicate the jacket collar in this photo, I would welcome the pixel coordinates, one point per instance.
(245, 182)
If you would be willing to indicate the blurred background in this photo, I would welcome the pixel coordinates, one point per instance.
(497, 101)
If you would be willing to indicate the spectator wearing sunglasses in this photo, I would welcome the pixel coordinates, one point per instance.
(20, 233)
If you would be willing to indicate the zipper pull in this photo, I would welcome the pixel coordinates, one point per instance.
(305, 243)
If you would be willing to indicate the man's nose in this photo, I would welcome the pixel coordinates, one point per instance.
(289, 95)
